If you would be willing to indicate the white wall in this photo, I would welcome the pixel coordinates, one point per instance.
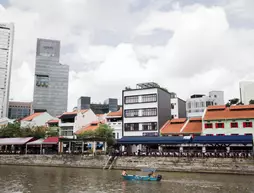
(227, 130)
(218, 97)
(247, 91)
(40, 120)
(83, 119)
(117, 127)
(174, 112)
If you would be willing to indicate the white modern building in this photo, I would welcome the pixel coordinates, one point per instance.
(114, 120)
(36, 120)
(246, 91)
(70, 122)
(196, 105)
(178, 108)
(145, 109)
(6, 50)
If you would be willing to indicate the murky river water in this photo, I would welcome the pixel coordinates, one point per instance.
(75, 180)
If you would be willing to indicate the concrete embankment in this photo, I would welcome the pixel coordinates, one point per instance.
(209, 165)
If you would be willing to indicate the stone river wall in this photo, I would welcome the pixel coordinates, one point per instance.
(209, 165)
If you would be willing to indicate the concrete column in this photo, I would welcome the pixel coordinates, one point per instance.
(228, 149)
(203, 149)
(94, 147)
(181, 149)
(41, 149)
(82, 146)
(69, 147)
(26, 149)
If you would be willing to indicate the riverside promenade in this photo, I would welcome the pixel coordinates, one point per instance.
(167, 164)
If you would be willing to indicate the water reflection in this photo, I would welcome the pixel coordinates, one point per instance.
(77, 180)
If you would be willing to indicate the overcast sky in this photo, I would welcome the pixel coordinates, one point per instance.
(187, 46)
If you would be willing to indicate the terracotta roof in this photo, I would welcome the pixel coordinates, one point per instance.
(173, 126)
(193, 126)
(242, 107)
(91, 127)
(53, 121)
(217, 107)
(118, 113)
(75, 112)
(233, 112)
(31, 117)
(180, 120)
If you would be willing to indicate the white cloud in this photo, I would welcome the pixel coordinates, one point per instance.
(204, 53)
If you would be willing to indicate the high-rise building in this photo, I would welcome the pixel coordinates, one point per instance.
(246, 91)
(6, 49)
(19, 110)
(51, 79)
(109, 105)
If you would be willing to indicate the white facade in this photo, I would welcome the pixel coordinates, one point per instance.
(178, 108)
(40, 120)
(117, 127)
(6, 50)
(246, 91)
(196, 105)
(138, 105)
(82, 118)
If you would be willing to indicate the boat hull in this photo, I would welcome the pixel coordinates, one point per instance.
(142, 178)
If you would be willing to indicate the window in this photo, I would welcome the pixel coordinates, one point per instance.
(131, 99)
(149, 112)
(209, 103)
(234, 125)
(42, 80)
(172, 106)
(149, 98)
(131, 113)
(208, 125)
(189, 105)
(247, 124)
(149, 126)
(234, 134)
(117, 134)
(220, 134)
(114, 135)
(219, 125)
(209, 134)
(131, 126)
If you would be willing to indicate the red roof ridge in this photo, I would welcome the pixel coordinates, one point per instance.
(31, 117)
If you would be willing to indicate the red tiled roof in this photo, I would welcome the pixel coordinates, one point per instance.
(75, 112)
(193, 126)
(51, 140)
(217, 107)
(91, 127)
(118, 113)
(233, 112)
(31, 117)
(173, 126)
(53, 121)
(180, 120)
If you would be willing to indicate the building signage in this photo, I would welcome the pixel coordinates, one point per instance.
(152, 134)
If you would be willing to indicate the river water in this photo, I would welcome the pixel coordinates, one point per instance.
(76, 180)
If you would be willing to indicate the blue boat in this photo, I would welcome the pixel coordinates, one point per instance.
(143, 178)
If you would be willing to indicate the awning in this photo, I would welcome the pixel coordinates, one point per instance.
(98, 145)
(51, 140)
(15, 141)
(227, 139)
(36, 142)
(154, 140)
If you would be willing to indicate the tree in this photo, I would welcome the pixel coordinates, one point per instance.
(251, 102)
(11, 130)
(234, 101)
(102, 132)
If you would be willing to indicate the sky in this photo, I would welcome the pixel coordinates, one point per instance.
(187, 46)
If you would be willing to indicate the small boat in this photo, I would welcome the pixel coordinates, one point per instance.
(143, 178)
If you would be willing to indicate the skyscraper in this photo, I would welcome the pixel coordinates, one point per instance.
(6, 49)
(51, 79)
(246, 91)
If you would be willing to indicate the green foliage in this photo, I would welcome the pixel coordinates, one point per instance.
(52, 132)
(102, 132)
(251, 102)
(14, 130)
(234, 101)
